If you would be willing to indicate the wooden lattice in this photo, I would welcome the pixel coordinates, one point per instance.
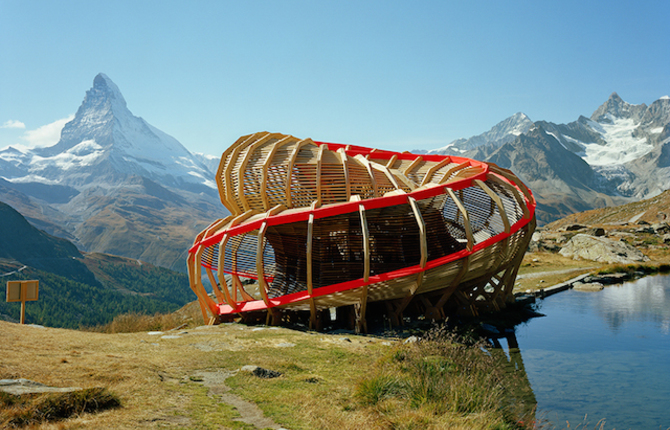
(319, 225)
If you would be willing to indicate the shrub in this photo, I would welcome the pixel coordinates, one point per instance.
(25, 410)
(444, 374)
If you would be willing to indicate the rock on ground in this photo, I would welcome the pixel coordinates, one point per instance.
(602, 250)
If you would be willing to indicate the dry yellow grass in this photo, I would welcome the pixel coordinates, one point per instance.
(160, 384)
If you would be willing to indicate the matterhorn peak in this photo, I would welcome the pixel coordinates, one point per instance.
(103, 97)
(104, 87)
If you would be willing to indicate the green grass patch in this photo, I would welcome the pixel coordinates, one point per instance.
(209, 412)
(647, 269)
(31, 409)
(419, 384)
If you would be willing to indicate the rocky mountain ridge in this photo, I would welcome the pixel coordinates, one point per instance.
(114, 184)
(620, 154)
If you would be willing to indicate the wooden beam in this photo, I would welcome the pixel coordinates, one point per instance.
(310, 233)
(345, 168)
(366, 242)
(429, 174)
(235, 209)
(498, 202)
(418, 160)
(391, 161)
(289, 169)
(319, 162)
(190, 266)
(266, 168)
(260, 270)
(243, 167)
(422, 231)
(510, 176)
(361, 323)
(466, 218)
(260, 266)
(515, 193)
(220, 172)
(451, 171)
(222, 279)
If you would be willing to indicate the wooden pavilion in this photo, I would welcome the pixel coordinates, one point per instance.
(315, 226)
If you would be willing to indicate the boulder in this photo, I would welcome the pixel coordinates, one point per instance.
(596, 231)
(588, 287)
(574, 227)
(602, 250)
(661, 228)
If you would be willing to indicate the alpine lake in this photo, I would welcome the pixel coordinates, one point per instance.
(599, 360)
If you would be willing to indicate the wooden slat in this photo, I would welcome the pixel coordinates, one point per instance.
(429, 174)
(319, 166)
(289, 171)
(466, 218)
(515, 192)
(366, 242)
(234, 207)
(266, 168)
(345, 168)
(496, 198)
(222, 279)
(422, 232)
(448, 173)
(310, 233)
(414, 164)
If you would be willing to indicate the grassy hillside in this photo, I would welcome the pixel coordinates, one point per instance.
(653, 210)
(80, 290)
(64, 302)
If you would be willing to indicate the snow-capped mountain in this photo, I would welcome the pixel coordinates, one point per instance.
(501, 133)
(105, 138)
(114, 183)
(621, 153)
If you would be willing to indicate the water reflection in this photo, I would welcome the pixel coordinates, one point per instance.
(604, 355)
(522, 399)
(647, 301)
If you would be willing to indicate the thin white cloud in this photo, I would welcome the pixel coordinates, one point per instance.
(12, 123)
(47, 135)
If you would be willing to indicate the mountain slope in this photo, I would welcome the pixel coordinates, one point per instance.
(114, 184)
(501, 133)
(621, 153)
(78, 289)
(21, 242)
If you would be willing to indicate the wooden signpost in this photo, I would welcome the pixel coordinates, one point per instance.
(22, 291)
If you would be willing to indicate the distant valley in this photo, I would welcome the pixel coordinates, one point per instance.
(80, 289)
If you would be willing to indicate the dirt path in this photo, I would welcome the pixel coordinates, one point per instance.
(250, 413)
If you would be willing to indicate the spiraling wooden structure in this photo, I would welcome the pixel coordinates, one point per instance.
(316, 225)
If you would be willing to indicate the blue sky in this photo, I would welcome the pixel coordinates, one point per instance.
(390, 74)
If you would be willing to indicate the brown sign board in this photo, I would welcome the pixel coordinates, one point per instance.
(22, 291)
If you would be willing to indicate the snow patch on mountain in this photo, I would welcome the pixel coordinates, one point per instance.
(104, 136)
(621, 146)
(501, 133)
